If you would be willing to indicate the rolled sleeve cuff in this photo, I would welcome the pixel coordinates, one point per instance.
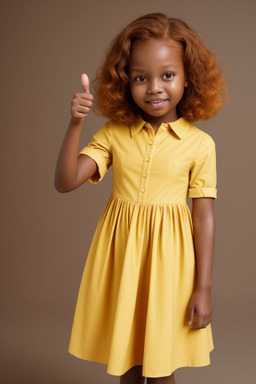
(99, 160)
(202, 192)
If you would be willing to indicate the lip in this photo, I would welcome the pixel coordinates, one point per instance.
(156, 103)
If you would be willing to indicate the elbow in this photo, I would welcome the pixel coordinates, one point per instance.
(64, 187)
(204, 219)
(60, 187)
(60, 190)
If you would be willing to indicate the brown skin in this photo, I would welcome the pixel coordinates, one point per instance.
(134, 376)
(72, 171)
(201, 300)
(157, 79)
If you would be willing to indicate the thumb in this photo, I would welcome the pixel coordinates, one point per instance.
(85, 83)
(191, 315)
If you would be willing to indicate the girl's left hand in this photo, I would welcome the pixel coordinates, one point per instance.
(200, 309)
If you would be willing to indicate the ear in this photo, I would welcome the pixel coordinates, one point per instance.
(186, 84)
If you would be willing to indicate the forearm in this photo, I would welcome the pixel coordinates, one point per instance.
(203, 223)
(67, 163)
(71, 170)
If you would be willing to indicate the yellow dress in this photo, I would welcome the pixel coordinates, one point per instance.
(140, 272)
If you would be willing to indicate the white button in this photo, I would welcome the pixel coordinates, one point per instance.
(145, 175)
(148, 159)
(156, 142)
(143, 190)
(151, 142)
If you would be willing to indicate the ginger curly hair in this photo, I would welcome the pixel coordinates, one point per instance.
(206, 91)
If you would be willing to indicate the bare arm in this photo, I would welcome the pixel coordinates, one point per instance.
(71, 170)
(201, 300)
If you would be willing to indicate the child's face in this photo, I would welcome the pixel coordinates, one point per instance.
(157, 79)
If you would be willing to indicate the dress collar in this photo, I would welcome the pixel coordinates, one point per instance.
(179, 127)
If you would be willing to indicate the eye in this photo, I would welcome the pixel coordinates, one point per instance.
(140, 79)
(168, 75)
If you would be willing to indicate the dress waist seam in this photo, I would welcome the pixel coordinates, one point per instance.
(137, 202)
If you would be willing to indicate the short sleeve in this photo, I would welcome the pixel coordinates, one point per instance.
(99, 149)
(203, 171)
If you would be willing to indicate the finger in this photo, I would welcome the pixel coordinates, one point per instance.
(81, 99)
(201, 323)
(85, 83)
(84, 102)
(195, 327)
(191, 315)
(207, 321)
(80, 110)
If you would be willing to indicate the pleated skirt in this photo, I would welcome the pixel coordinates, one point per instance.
(132, 307)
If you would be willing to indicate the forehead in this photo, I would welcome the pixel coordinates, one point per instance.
(156, 52)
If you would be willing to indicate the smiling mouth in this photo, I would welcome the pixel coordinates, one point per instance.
(156, 103)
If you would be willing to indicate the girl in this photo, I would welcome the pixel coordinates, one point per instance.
(144, 306)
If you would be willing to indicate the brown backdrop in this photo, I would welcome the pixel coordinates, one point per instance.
(45, 46)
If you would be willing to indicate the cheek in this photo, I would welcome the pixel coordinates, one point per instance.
(177, 85)
(136, 92)
(177, 88)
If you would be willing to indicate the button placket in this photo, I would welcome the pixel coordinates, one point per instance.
(146, 167)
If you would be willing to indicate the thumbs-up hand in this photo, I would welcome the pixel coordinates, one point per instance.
(85, 83)
(82, 101)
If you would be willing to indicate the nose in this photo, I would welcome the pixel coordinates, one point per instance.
(154, 86)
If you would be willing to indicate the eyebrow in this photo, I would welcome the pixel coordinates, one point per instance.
(164, 66)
